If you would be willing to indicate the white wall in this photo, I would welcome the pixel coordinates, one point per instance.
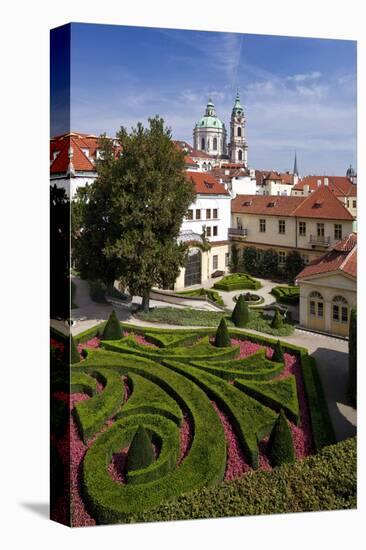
(243, 186)
(203, 202)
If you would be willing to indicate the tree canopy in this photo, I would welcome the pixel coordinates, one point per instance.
(127, 221)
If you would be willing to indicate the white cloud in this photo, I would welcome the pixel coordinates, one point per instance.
(302, 77)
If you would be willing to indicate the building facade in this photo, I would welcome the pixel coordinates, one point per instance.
(209, 134)
(328, 289)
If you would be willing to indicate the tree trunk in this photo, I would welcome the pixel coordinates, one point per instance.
(146, 301)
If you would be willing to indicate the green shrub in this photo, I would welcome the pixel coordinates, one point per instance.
(278, 356)
(240, 315)
(113, 329)
(326, 481)
(280, 448)
(222, 338)
(82, 383)
(204, 293)
(352, 358)
(286, 294)
(277, 321)
(140, 453)
(237, 281)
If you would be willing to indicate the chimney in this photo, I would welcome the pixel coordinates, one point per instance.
(319, 182)
(326, 181)
(306, 189)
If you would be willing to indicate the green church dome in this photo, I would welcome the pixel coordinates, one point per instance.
(210, 122)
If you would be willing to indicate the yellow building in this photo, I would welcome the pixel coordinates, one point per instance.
(311, 225)
(328, 289)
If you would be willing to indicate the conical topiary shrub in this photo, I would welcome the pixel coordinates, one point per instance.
(278, 353)
(277, 319)
(240, 315)
(140, 454)
(71, 354)
(280, 448)
(222, 338)
(112, 330)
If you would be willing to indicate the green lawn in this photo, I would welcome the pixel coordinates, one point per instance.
(201, 318)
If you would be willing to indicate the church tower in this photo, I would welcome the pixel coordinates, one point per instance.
(238, 148)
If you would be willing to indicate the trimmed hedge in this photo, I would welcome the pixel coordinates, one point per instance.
(202, 350)
(277, 321)
(82, 383)
(286, 294)
(222, 338)
(113, 329)
(280, 447)
(92, 414)
(204, 292)
(148, 397)
(278, 353)
(204, 465)
(171, 340)
(326, 481)
(262, 369)
(251, 420)
(237, 281)
(322, 428)
(278, 394)
(140, 453)
(240, 315)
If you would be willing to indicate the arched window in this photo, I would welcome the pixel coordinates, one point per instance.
(240, 154)
(239, 132)
(209, 166)
(316, 305)
(214, 144)
(204, 166)
(203, 144)
(340, 309)
(208, 144)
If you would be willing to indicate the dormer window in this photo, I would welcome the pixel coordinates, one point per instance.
(85, 150)
(247, 203)
(55, 154)
(208, 184)
(271, 204)
(318, 204)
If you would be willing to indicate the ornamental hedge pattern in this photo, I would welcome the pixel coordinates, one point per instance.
(159, 415)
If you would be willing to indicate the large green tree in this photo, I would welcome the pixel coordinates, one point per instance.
(294, 264)
(128, 220)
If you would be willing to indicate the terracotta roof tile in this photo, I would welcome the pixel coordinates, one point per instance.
(265, 204)
(342, 257)
(323, 204)
(205, 184)
(340, 185)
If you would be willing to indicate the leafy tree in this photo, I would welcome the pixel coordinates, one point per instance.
(113, 329)
(222, 338)
(278, 353)
(294, 264)
(140, 454)
(234, 259)
(268, 266)
(352, 357)
(250, 260)
(280, 448)
(240, 315)
(277, 321)
(129, 219)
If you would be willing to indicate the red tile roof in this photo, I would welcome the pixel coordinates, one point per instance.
(205, 184)
(321, 204)
(342, 257)
(340, 185)
(194, 153)
(70, 149)
(283, 177)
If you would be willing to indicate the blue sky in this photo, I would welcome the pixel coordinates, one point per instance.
(298, 93)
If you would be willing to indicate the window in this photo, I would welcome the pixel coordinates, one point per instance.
(338, 231)
(320, 230)
(340, 309)
(240, 154)
(354, 203)
(215, 262)
(190, 214)
(198, 214)
(281, 257)
(208, 231)
(239, 132)
(215, 213)
(208, 213)
(214, 146)
(316, 305)
(262, 226)
(215, 230)
(227, 259)
(282, 226)
(320, 309)
(302, 229)
(203, 143)
(239, 223)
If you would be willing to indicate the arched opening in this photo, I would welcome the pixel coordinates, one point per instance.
(193, 271)
(240, 154)
(340, 315)
(208, 145)
(203, 144)
(316, 319)
(214, 146)
(204, 166)
(239, 132)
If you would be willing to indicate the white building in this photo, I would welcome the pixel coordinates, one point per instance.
(209, 134)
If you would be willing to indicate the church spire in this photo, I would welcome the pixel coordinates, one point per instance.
(296, 172)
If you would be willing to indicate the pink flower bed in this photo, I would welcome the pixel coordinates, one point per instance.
(93, 343)
(186, 433)
(142, 340)
(248, 348)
